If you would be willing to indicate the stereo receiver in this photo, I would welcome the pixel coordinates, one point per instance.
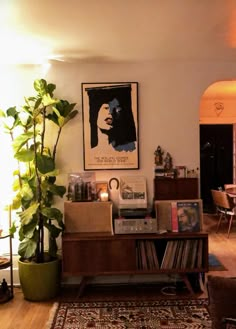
(135, 225)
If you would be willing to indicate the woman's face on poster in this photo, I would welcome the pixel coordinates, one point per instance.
(108, 114)
(105, 120)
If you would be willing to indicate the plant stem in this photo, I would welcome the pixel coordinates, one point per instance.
(43, 130)
(56, 143)
(38, 197)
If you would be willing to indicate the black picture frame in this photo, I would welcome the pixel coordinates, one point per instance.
(110, 125)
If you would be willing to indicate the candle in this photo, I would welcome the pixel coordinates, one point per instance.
(104, 196)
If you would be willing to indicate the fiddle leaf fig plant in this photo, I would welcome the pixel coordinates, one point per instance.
(35, 178)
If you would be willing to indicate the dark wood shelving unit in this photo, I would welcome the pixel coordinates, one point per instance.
(7, 262)
(93, 254)
(175, 188)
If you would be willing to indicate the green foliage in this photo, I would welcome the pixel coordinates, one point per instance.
(35, 185)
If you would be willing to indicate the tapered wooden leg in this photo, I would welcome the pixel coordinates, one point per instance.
(187, 283)
(83, 283)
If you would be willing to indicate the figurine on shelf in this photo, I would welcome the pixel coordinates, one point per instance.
(168, 161)
(4, 286)
(159, 156)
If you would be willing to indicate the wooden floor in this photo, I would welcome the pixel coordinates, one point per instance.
(20, 314)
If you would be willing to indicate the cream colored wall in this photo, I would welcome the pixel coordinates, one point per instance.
(169, 101)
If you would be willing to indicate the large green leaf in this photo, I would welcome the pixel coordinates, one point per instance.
(54, 230)
(48, 100)
(2, 114)
(57, 189)
(29, 230)
(25, 155)
(40, 85)
(16, 202)
(38, 102)
(49, 174)
(12, 111)
(52, 213)
(27, 215)
(26, 192)
(45, 163)
(50, 88)
(62, 113)
(21, 140)
(27, 248)
(12, 229)
(52, 247)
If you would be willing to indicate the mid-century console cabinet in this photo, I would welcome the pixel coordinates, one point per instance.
(93, 254)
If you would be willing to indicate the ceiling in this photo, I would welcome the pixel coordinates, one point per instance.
(117, 30)
(122, 30)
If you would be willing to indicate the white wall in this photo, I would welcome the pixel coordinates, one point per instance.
(169, 100)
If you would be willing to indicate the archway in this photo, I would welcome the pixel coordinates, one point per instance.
(217, 146)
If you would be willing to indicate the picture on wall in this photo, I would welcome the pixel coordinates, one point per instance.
(110, 125)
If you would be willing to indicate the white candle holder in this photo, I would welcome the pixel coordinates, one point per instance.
(103, 196)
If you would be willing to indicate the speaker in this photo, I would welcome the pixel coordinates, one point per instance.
(85, 217)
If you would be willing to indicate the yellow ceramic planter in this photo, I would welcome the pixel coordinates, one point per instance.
(39, 281)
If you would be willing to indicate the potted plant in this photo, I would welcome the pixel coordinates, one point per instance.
(35, 185)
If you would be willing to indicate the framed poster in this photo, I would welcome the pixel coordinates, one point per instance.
(110, 125)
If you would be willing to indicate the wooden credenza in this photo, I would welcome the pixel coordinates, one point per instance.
(175, 188)
(93, 254)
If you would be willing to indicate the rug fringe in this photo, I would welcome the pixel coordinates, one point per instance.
(52, 313)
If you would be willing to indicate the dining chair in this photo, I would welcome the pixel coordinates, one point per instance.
(225, 207)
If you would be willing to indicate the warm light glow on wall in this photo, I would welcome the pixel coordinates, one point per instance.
(21, 49)
(220, 90)
(16, 81)
(19, 46)
(7, 165)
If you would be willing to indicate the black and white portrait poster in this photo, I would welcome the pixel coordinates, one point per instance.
(110, 125)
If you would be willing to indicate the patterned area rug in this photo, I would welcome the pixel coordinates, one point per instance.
(159, 314)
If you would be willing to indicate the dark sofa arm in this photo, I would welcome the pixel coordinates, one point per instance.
(222, 301)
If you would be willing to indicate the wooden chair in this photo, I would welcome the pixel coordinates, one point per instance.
(224, 207)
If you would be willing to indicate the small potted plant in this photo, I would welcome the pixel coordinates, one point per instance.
(35, 186)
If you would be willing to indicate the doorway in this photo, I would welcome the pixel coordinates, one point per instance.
(216, 160)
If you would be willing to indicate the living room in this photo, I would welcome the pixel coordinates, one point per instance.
(176, 54)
